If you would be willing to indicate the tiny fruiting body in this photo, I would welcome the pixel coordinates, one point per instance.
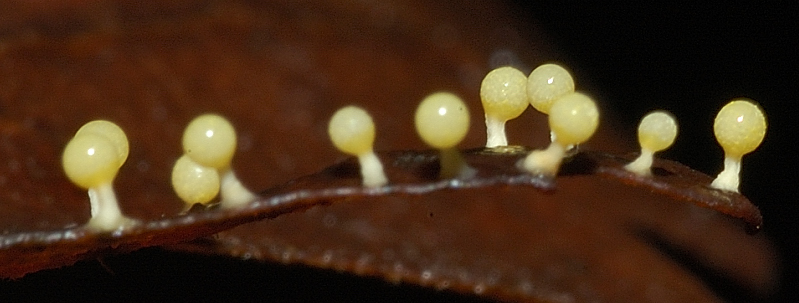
(656, 132)
(194, 183)
(92, 160)
(352, 131)
(442, 121)
(546, 84)
(740, 127)
(503, 94)
(110, 131)
(210, 141)
(573, 119)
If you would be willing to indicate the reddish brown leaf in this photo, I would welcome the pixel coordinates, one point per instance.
(525, 237)
(278, 70)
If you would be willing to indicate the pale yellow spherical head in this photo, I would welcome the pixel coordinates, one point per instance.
(573, 118)
(442, 120)
(547, 83)
(110, 131)
(90, 160)
(193, 182)
(657, 131)
(504, 93)
(352, 130)
(740, 127)
(210, 140)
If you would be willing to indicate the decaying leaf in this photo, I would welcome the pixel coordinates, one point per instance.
(278, 71)
(503, 233)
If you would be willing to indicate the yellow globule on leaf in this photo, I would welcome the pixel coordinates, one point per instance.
(352, 130)
(442, 120)
(740, 127)
(90, 160)
(110, 131)
(503, 93)
(546, 84)
(193, 182)
(573, 118)
(210, 140)
(657, 131)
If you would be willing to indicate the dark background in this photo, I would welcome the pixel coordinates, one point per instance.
(691, 60)
(686, 59)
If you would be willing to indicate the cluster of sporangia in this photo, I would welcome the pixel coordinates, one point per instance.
(93, 157)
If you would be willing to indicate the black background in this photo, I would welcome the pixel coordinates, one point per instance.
(691, 60)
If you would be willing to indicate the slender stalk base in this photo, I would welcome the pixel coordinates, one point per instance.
(106, 215)
(545, 162)
(233, 193)
(453, 166)
(642, 165)
(372, 170)
(495, 133)
(728, 179)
